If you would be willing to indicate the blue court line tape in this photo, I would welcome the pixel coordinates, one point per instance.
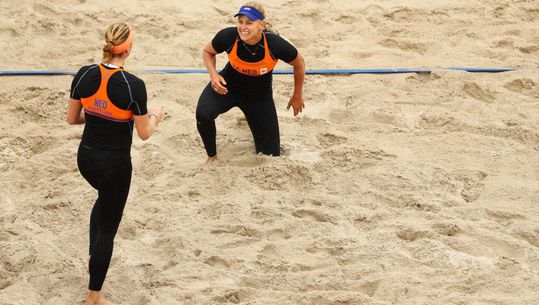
(311, 72)
(357, 71)
(43, 72)
(486, 70)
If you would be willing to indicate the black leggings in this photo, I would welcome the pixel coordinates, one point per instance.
(260, 114)
(109, 173)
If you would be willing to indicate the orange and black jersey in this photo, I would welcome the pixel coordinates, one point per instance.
(126, 93)
(239, 83)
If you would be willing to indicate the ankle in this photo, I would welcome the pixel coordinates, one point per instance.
(212, 159)
(94, 297)
(93, 294)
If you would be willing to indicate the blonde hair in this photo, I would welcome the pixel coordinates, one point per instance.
(260, 8)
(116, 34)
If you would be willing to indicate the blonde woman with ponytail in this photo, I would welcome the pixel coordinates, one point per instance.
(111, 102)
(253, 50)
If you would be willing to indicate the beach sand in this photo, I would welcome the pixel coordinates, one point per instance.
(392, 189)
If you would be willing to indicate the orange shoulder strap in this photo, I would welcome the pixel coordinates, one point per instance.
(262, 67)
(100, 105)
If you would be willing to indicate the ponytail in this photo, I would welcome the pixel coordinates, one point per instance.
(107, 52)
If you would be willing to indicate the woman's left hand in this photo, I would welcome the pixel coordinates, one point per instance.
(296, 101)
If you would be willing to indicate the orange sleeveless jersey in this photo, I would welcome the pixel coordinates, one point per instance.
(262, 67)
(100, 105)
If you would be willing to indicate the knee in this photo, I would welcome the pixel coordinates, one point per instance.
(204, 116)
(201, 117)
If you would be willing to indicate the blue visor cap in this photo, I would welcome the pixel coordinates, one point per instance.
(251, 13)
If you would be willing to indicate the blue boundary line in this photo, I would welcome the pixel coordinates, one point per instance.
(310, 72)
(487, 70)
(43, 72)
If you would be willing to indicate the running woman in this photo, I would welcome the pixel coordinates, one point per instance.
(246, 81)
(109, 101)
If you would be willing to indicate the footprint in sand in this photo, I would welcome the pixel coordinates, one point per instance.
(447, 229)
(277, 234)
(327, 140)
(218, 262)
(369, 288)
(475, 91)
(270, 251)
(331, 251)
(532, 49)
(472, 184)
(523, 86)
(234, 297)
(238, 230)
(312, 215)
(7, 34)
(405, 45)
(411, 234)
(504, 218)
(529, 234)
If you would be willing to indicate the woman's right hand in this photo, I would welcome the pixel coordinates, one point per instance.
(147, 123)
(218, 84)
(159, 112)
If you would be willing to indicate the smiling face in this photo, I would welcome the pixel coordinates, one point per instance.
(250, 31)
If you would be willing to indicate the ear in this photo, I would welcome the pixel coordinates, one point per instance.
(128, 51)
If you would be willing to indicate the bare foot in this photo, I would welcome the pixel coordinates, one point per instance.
(95, 298)
(210, 160)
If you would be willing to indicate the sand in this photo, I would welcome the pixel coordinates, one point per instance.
(392, 189)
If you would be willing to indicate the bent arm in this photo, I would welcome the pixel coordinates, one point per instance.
(210, 61)
(218, 82)
(299, 74)
(146, 124)
(75, 115)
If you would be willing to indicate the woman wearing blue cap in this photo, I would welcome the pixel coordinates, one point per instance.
(246, 81)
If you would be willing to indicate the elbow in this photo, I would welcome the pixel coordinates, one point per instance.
(144, 135)
(302, 62)
(205, 53)
(71, 121)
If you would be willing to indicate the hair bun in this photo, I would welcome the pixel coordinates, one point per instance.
(108, 47)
